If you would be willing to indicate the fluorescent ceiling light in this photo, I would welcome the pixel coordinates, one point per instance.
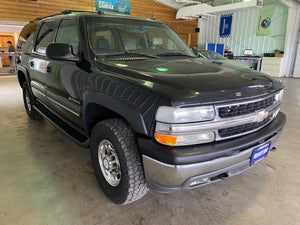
(4, 25)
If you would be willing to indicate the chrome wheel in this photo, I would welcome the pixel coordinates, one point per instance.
(109, 163)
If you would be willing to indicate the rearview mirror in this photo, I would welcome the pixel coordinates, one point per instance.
(60, 51)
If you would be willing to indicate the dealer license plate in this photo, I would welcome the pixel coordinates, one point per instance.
(260, 153)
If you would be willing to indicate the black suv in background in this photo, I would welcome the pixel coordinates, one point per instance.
(152, 113)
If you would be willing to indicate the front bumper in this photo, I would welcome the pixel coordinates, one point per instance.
(178, 170)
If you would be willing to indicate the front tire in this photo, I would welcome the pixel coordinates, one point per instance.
(117, 162)
(28, 100)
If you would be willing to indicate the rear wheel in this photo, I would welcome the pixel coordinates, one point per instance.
(117, 162)
(28, 103)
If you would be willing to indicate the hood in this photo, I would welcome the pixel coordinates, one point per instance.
(194, 81)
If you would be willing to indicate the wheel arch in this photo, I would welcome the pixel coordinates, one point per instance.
(23, 76)
(97, 107)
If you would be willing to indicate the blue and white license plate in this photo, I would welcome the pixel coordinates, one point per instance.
(260, 153)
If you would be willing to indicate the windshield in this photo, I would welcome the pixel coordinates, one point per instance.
(110, 36)
(211, 55)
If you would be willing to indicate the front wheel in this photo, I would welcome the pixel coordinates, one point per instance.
(28, 103)
(117, 162)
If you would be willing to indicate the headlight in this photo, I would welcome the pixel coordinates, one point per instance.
(185, 115)
(174, 125)
(278, 96)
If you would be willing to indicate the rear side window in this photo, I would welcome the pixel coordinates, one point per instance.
(45, 37)
(26, 37)
(67, 33)
(27, 47)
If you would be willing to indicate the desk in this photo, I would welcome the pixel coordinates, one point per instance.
(10, 69)
(254, 62)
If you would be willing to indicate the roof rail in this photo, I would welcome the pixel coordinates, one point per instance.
(68, 11)
(65, 12)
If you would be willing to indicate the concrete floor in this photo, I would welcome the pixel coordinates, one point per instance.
(46, 179)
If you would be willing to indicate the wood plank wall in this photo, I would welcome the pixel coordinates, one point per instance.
(24, 10)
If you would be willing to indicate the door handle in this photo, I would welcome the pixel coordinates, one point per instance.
(31, 64)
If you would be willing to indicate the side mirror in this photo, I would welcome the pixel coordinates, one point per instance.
(60, 51)
(194, 49)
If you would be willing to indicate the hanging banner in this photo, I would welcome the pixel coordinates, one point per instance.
(225, 25)
(264, 22)
(113, 6)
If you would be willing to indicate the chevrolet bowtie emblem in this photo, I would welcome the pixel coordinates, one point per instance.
(261, 115)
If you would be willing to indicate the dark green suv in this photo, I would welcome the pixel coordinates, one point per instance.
(152, 113)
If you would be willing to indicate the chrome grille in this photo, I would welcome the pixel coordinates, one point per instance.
(241, 118)
(243, 109)
(233, 131)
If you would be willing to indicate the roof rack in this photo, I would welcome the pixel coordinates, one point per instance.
(65, 12)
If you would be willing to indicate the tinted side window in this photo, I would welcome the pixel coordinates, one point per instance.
(67, 33)
(28, 44)
(45, 37)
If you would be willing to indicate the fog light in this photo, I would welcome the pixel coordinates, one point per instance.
(199, 181)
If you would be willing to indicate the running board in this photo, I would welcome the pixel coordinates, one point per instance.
(71, 130)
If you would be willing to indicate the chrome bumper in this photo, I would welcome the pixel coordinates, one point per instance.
(166, 178)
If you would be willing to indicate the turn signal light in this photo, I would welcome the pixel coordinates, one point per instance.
(167, 140)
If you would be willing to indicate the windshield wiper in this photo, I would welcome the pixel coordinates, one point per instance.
(174, 54)
(129, 53)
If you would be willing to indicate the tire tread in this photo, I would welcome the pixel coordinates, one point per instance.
(33, 114)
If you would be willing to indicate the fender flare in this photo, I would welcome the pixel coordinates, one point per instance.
(127, 111)
(27, 77)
